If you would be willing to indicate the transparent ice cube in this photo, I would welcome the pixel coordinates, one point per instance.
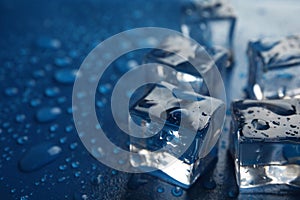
(266, 145)
(180, 131)
(209, 22)
(274, 68)
(178, 53)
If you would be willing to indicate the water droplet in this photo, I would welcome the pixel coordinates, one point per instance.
(47, 114)
(22, 140)
(20, 118)
(62, 62)
(75, 164)
(38, 156)
(160, 189)
(35, 102)
(52, 91)
(11, 91)
(77, 174)
(48, 43)
(204, 113)
(104, 88)
(114, 172)
(63, 140)
(177, 191)
(61, 179)
(53, 128)
(65, 76)
(260, 124)
(73, 145)
(68, 128)
(62, 167)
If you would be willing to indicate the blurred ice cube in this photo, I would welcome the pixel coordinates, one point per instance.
(274, 68)
(209, 22)
(178, 53)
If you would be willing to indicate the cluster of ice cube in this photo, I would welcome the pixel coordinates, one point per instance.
(184, 127)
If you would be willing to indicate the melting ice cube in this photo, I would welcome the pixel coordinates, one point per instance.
(179, 132)
(265, 145)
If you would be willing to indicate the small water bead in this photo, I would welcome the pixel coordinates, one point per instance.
(73, 145)
(22, 140)
(160, 189)
(62, 62)
(68, 128)
(52, 91)
(48, 43)
(61, 179)
(20, 118)
(38, 156)
(53, 128)
(44, 178)
(65, 76)
(35, 102)
(101, 103)
(11, 91)
(77, 174)
(48, 114)
(24, 198)
(62, 167)
(114, 172)
(63, 140)
(75, 164)
(177, 191)
(105, 88)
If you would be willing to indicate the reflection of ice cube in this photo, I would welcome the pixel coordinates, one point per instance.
(274, 68)
(210, 23)
(265, 145)
(170, 118)
(178, 53)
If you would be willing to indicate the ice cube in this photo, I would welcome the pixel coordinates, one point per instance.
(179, 133)
(266, 145)
(177, 53)
(274, 68)
(209, 22)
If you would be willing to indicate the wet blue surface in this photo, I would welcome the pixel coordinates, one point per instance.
(43, 42)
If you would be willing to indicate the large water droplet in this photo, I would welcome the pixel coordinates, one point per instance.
(47, 114)
(260, 124)
(38, 156)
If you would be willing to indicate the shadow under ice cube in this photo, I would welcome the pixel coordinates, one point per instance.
(274, 68)
(209, 22)
(180, 127)
(266, 145)
(177, 53)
